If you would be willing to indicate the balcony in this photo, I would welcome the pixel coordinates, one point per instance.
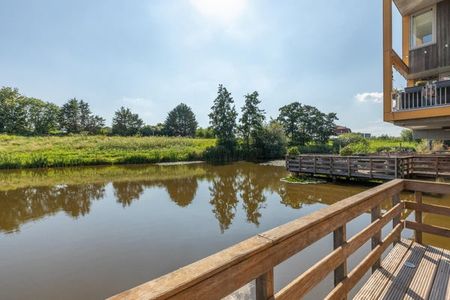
(435, 94)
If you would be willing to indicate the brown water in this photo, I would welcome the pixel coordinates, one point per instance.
(92, 232)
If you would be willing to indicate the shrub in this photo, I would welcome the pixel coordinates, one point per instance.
(359, 148)
(347, 139)
(270, 142)
(318, 149)
(293, 151)
(221, 154)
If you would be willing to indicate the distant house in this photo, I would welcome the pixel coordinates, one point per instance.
(338, 130)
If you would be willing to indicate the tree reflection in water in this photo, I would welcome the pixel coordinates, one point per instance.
(182, 191)
(27, 204)
(127, 192)
(228, 184)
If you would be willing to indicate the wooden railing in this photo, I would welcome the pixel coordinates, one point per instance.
(376, 167)
(255, 259)
(371, 167)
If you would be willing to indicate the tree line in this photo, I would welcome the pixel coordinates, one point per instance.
(251, 134)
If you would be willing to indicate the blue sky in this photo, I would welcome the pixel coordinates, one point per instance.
(150, 55)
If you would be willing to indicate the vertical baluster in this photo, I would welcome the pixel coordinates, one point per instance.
(339, 239)
(395, 201)
(376, 239)
(418, 216)
(265, 286)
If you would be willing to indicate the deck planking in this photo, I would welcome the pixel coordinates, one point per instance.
(410, 271)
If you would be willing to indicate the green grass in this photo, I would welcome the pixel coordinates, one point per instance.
(41, 152)
(375, 144)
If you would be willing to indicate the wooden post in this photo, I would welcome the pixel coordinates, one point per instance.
(396, 220)
(300, 163)
(437, 166)
(371, 167)
(349, 167)
(418, 215)
(376, 239)
(339, 239)
(396, 168)
(314, 158)
(264, 286)
(387, 60)
(331, 165)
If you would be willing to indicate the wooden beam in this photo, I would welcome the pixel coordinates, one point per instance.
(339, 239)
(432, 209)
(427, 186)
(376, 239)
(406, 41)
(418, 216)
(265, 286)
(431, 229)
(399, 64)
(387, 57)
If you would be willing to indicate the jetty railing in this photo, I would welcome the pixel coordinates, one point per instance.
(223, 273)
(371, 167)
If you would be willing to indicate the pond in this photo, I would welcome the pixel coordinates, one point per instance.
(92, 232)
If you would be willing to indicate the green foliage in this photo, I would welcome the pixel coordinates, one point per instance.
(181, 122)
(77, 150)
(304, 124)
(407, 135)
(317, 149)
(293, 151)
(223, 119)
(126, 123)
(348, 138)
(251, 122)
(206, 133)
(270, 142)
(75, 116)
(222, 154)
(395, 149)
(358, 148)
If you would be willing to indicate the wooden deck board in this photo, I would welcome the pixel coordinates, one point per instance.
(410, 271)
(376, 283)
(441, 285)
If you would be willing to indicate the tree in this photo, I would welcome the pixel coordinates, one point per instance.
(304, 123)
(270, 142)
(407, 135)
(75, 117)
(223, 119)
(69, 117)
(181, 121)
(252, 119)
(42, 116)
(126, 123)
(13, 114)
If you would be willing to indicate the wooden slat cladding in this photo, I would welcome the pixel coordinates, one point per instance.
(437, 55)
(443, 33)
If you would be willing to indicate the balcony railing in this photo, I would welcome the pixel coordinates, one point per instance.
(419, 97)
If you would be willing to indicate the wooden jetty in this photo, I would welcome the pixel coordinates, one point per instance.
(411, 270)
(371, 167)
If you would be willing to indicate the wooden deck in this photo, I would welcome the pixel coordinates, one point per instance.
(370, 167)
(410, 271)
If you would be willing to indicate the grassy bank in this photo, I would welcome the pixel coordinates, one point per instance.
(36, 152)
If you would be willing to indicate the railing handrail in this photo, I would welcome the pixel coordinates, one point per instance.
(222, 273)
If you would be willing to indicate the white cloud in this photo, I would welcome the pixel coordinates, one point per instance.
(369, 97)
(225, 11)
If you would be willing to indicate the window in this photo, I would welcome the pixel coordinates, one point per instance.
(423, 27)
